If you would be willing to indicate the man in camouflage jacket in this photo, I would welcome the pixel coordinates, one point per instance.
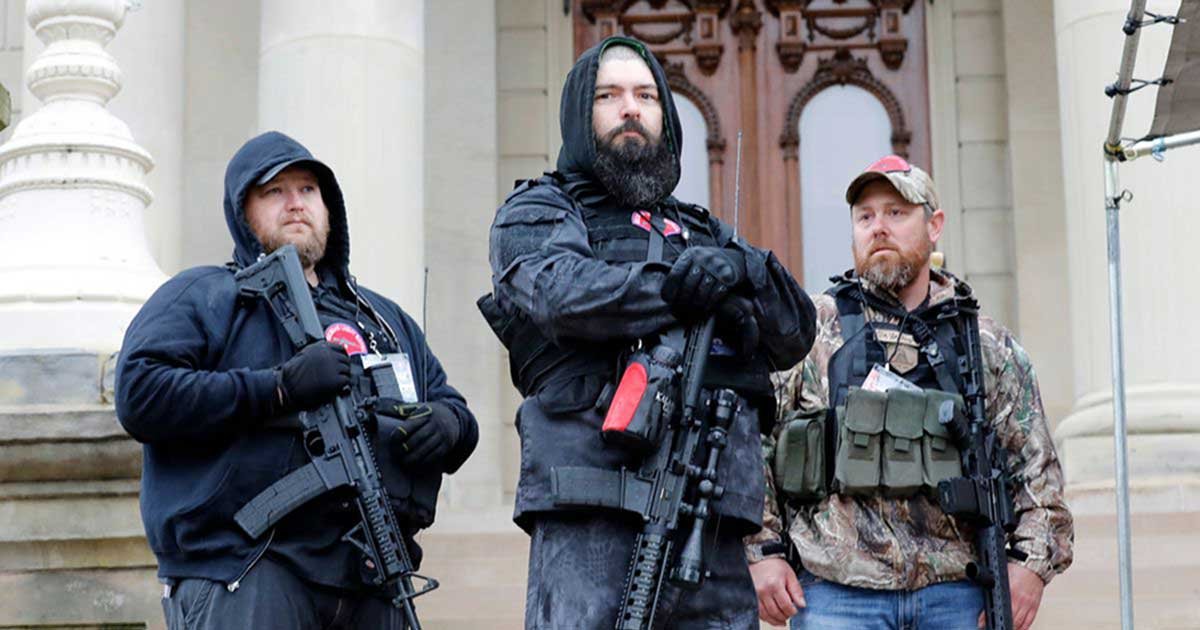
(877, 562)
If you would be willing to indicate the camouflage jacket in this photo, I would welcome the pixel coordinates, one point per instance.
(882, 543)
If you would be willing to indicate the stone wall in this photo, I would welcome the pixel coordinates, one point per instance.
(970, 148)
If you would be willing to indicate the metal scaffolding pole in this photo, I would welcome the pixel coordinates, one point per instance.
(1112, 206)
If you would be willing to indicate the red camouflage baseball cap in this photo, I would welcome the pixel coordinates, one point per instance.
(912, 183)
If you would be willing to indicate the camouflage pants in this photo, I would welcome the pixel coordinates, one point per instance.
(577, 569)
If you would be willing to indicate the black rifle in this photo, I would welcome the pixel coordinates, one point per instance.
(669, 485)
(337, 443)
(982, 495)
(673, 480)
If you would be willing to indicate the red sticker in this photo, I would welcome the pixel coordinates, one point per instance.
(641, 218)
(347, 337)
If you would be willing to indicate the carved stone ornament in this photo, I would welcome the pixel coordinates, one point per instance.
(852, 24)
(72, 181)
(844, 69)
(746, 22)
(674, 28)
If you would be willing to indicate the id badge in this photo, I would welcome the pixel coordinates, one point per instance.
(881, 379)
(401, 368)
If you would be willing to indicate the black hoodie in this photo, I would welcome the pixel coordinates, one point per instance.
(195, 383)
(577, 157)
(555, 263)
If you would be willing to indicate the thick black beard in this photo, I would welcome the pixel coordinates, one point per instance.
(636, 174)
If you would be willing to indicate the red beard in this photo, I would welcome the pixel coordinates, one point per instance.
(896, 268)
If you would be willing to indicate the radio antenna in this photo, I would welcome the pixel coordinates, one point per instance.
(737, 185)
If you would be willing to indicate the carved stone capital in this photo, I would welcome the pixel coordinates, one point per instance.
(791, 55)
(892, 51)
(746, 23)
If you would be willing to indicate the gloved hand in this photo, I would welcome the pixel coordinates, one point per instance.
(315, 375)
(700, 278)
(425, 433)
(737, 325)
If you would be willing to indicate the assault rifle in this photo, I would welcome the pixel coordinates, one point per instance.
(337, 442)
(982, 495)
(669, 486)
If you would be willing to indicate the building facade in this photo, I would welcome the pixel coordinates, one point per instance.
(429, 110)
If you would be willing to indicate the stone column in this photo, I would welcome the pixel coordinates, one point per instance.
(74, 263)
(1158, 233)
(347, 81)
(74, 268)
(151, 50)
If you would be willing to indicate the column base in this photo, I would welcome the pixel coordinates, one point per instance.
(1163, 436)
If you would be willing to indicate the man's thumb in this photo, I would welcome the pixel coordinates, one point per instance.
(795, 591)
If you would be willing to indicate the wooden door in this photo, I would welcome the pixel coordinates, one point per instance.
(754, 65)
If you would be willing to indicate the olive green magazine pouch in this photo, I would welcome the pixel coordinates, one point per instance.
(861, 424)
(902, 431)
(800, 457)
(942, 459)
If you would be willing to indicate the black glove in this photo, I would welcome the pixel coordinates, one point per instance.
(737, 325)
(424, 434)
(318, 373)
(700, 278)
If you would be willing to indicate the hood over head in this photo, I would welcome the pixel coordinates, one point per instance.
(259, 160)
(577, 157)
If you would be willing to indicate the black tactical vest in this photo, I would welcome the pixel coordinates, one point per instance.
(559, 422)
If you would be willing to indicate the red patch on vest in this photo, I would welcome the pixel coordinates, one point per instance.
(347, 337)
(641, 218)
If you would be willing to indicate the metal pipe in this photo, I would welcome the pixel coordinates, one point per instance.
(1158, 146)
(1112, 205)
(1132, 36)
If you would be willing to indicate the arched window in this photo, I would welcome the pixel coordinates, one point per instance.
(693, 181)
(843, 129)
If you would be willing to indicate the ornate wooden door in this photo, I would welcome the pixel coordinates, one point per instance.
(754, 65)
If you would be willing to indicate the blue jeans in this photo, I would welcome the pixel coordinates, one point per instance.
(832, 606)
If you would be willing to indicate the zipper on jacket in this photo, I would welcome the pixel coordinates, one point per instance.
(237, 582)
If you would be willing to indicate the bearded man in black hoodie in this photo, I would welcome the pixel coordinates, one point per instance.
(210, 384)
(587, 263)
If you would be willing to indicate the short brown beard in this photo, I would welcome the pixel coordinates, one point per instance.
(893, 276)
(310, 250)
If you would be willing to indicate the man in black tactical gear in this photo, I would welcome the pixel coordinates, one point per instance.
(211, 385)
(588, 262)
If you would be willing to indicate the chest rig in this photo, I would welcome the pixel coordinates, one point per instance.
(868, 442)
(580, 371)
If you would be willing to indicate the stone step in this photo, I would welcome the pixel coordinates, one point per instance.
(65, 441)
(483, 577)
(38, 377)
(1166, 575)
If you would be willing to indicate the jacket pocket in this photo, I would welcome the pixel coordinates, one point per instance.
(570, 394)
(209, 526)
